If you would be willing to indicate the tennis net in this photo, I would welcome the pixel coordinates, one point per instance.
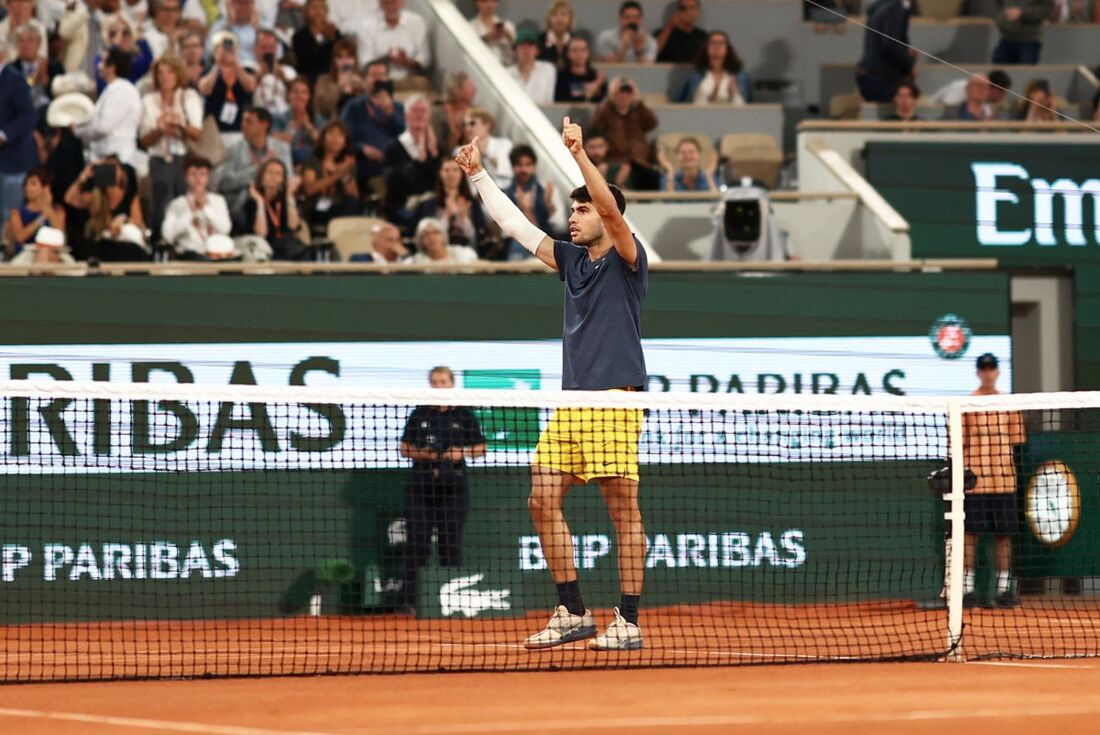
(181, 530)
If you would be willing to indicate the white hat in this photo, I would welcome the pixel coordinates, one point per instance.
(220, 245)
(50, 237)
(69, 110)
(73, 81)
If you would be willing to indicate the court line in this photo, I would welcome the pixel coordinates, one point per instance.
(1030, 665)
(147, 724)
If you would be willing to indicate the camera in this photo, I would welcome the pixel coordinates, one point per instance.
(269, 60)
(228, 46)
(626, 87)
(633, 27)
(382, 86)
(103, 175)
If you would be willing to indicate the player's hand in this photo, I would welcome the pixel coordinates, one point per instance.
(571, 136)
(469, 158)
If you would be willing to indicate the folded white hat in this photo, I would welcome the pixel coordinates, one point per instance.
(73, 81)
(220, 245)
(50, 237)
(69, 110)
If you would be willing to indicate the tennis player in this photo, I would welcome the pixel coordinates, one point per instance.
(606, 275)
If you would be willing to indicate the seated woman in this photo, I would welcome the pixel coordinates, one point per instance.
(297, 127)
(1038, 103)
(432, 245)
(494, 151)
(272, 214)
(39, 210)
(578, 80)
(328, 179)
(342, 83)
(453, 203)
(554, 41)
(719, 77)
(688, 174)
(906, 95)
(107, 214)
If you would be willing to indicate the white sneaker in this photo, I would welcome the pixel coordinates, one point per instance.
(619, 636)
(564, 627)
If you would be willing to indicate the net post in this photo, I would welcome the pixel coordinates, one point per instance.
(955, 515)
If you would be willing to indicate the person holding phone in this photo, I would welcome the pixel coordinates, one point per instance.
(374, 121)
(626, 121)
(629, 42)
(342, 83)
(272, 77)
(108, 214)
(680, 40)
(228, 86)
(498, 34)
(242, 19)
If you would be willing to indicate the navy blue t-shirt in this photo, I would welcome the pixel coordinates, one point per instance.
(602, 327)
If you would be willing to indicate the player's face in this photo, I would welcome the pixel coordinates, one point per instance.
(585, 225)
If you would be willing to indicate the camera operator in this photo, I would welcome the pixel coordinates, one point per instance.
(629, 42)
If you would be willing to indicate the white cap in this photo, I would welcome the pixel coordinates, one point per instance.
(69, 110)
(220, 245)
(50, 237)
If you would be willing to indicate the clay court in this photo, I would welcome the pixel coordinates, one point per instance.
(666, 688)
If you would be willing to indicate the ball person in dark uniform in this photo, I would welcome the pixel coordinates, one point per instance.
(439, 440)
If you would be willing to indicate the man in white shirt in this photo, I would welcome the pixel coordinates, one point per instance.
(629, 42)
(114, 128)
(399, 35)
(20, 13)
(192, 219)
(273, 77)
(538, 78)
(349, 15)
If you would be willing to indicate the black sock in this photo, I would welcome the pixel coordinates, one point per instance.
(628, 608)
(569, 595)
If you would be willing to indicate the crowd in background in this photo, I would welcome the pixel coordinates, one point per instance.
(239, 129)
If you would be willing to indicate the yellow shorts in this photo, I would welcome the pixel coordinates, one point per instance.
(592, 442)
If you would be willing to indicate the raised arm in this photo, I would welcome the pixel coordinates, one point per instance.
(503, 210)
(602, 198)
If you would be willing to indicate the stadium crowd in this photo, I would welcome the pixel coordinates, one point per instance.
(240, 129)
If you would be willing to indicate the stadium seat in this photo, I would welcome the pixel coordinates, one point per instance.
(755, 155)
(352, 235)
(845, 106)
(668, 142)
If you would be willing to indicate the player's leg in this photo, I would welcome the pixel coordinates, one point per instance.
(621, 496)
(973, 505)
(1005, 596)
(571, 621)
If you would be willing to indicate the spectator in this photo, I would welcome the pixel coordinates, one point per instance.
(171, 116)
(271, 212)
(247, 156)
(386, 245)
(48, 247)
(119, 34)
(20, 13)
(191, 54)
(448, 119)
(905, 102)
(1038, 103)
(537, 78)
(554, 41)
(578, 80)
(625, 121)
(242, 20)
(479, 125)
(629, 42)
(719, 76)
(498, 34)
(453, 203)
(595, 145)
(329, 180)
(680, 41)
(1096, 107)
(37, 211)
(999, 85)
(976, 106)
(348, 15)
(163, 30)
(113, 129)
(688, 173)
(33, 65)
(313, 42)
(439, 440)
(887, 58)
(373, 121)
(953, 93)
(271, 76)
(228, 86)
(399, 35)
(1021, 25)
(297, 127)
(411, 162)
(108, 218)
(342, 83)
(432, 245)
(537, 202)
(197, 218)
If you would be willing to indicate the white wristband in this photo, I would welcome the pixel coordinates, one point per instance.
(505, 212)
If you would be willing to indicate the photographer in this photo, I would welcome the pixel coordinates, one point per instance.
(374, 121)
(228, 86)
(107, 213)
(438, 440)
(272, 78)
(629, 42)
(626, 121)
(342, 83)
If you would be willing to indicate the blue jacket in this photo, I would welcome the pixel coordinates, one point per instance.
(695, 78)
(366, 123)
(17, 120)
